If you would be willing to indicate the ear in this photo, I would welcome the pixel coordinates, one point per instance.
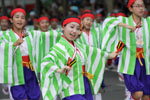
(130, 9)
(63, 28)
(11, 20)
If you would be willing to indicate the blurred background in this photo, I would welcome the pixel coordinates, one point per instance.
(62, 8)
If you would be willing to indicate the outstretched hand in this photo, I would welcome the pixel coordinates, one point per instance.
(64, 69)
(113, 55)
(18, 42)
(132, 28)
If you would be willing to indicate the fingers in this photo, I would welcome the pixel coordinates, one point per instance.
(113, 55)
(20, 41)
(67, 68)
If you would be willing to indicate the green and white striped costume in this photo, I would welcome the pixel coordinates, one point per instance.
(48, 40)
(11, 67)
(112, 33)
(3, 32)
(43, 41)
(92, 40)
(53, 83)
(59, 28)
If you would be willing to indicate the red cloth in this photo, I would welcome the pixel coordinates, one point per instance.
(139, 50)
(25, 59)
(99, 15)
(86, 11)
(83, 69)
(120, 14)
(88, 15)
(113, 15)
(54, 20)
(109, 61)
(42, 18)
(130, 3)
(35, 20)
(4, 17)
(69, 20)
(18, 10)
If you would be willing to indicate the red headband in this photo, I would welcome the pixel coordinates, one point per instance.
(54, 20)
(42, 18)
(99, 15)
(69, 20)
(35, 20)
(88, 15)
(85, 11)
(17, 10)
(120, 14)
(130, 3)
(4, 17)
(146, 12)
(113, 15)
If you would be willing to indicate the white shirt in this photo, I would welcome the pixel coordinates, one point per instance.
(23, 47)
(139, 37)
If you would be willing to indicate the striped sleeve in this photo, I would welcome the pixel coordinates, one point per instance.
(6, 56)
(96, 64)
(52, 82)
(110, 34)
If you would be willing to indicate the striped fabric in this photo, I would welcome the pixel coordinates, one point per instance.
(98, 27)
(43, 41)
(112, 33)
(2, 33)
(53, 83)
(6, 51)
(92, 40)
(36, 48)
(48, 40)
(11, 65)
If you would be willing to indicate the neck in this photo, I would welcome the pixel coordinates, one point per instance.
(71, 42)
(44, 30)
(86, 31)
(54, 28)
(18, 31)
(98, 22)
(137, 19)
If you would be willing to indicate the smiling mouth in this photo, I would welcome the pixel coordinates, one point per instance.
(19, 23)
(72, 35)
(88, 25)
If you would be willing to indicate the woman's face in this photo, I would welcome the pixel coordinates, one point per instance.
(18, 20)
(4, 24)
(87, 22)
(72, 31)
(138, 8)
(54, 24)
(44, 24)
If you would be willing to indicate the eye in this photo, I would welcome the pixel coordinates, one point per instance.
(17, 16)
(78, 28)
(71, 26)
